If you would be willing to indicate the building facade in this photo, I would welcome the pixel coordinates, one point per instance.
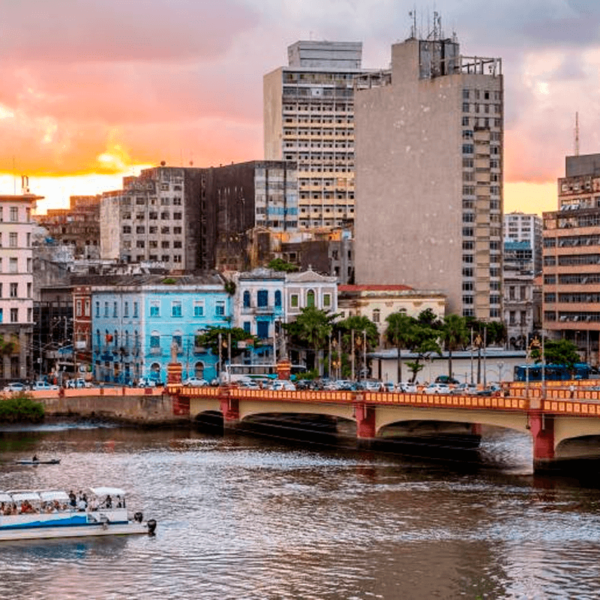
(519, 227)
(139, 327)
(309, 120)
(429, 172)
(571, 271)
(16, 284)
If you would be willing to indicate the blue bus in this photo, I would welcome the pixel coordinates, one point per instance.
(551, 372)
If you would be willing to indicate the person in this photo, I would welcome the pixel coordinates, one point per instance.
(82, 504)
(572, 390)
(35, 458)
(108, 502)
(72, 499)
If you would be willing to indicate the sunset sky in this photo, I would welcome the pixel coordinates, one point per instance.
(91, 91)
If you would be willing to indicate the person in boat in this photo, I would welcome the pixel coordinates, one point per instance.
(72, 499)
(82, 504)
(108, 502)
(35, 458)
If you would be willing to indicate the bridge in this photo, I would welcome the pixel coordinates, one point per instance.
(559, 419)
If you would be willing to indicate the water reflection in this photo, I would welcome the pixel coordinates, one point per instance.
(241, 517)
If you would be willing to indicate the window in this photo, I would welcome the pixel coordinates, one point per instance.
(220, 308)
(176, 309)
(14, 290)
(247, 327)
(155, 340)
(98, 309)
(12, 239)
(262, 298)
(78, 308)
(14, 315)
(294, 300)
(277, 299)
(310, 298)
(14, 215)
(246, 299)
(135, 310)
(262, 329)
(115, 310)
(13, 265)
(327, 301)
(126, 309)
(106, 310)
(155, 308)
(376, 315)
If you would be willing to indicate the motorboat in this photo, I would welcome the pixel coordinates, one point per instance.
(29, 515)
(35, 461)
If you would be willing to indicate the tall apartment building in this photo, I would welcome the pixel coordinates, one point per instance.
(429, 149)
(16, 284)
(571, 293)
(188, 219)
(309, 120)
(519, 227)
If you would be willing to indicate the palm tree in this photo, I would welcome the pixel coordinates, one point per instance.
(314, 327)
(399, 332)
(363, 327)
(454, 334)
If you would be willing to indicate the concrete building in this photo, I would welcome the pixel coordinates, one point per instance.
(519, 227)
(429, 149)
(189, 219)
(309, 120)
(571, 297)
(76, 228)
(16, 283)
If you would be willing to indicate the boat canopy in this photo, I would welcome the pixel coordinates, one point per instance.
(107, 491)
(29, 496)
(51, 496)
(4, 497)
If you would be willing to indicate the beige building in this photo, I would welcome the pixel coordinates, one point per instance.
(16, 283)
(378, 302)
(309, 120)
(571, 271)
(429, 148)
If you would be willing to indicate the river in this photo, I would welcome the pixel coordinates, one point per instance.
(249, 518)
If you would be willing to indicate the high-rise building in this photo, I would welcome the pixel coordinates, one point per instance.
(571, 300)
(429, 149)
(309, 120)
(519, 227)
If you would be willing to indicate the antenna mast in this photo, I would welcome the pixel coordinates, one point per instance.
(577, 134)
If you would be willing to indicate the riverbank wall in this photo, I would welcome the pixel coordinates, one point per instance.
(138, 406)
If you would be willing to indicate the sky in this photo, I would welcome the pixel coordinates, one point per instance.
(94, 90)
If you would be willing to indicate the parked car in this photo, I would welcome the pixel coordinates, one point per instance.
(283, 385)
(437, 388)
(146, 382)
(490, 390)
(406, 388)
(195, 382)
(447, 380)
(15, 387)
(78, 383)
(43, 386)
(249, 384)
(465, 389)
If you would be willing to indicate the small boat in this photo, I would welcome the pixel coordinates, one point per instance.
(35, 461)
(33, 515)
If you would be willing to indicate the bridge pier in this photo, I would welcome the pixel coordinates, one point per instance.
(365, 424)
(542, 431)
(230, 408)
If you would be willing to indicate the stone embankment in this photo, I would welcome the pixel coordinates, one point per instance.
(141, 406)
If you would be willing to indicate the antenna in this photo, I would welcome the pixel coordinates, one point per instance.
(577, 134)
(413, 27)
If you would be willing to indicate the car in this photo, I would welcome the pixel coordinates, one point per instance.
(283, 385)
(387, 386)
(406, 388)
(370, 385)
(447, 380)
(437, 388)
(78, 383)
(464, 389)
(43, 386)
(146, 382)
(15, 387)
(195, 382)
(249, 384)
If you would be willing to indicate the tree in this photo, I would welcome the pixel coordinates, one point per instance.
(454, 334)
(428, 318)
(210, 339)
(423, 342)
(398, 333)
(362, 327)
(278, 264)
(561, 352)
(313, 326)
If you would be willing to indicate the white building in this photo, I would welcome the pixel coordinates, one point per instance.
(16, 283)
(520, 227)
(309, 120)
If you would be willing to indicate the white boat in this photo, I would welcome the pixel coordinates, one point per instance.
(29, 515)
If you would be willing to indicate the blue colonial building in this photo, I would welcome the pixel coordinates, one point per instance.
(139, 322)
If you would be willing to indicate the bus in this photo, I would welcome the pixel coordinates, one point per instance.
(257, 371)
(551, 372)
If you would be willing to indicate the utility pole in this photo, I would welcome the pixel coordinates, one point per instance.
(352, 354)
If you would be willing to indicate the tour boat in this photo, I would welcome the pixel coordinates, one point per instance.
(28, 515)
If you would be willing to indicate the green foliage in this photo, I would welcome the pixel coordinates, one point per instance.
(359, 325)
(210, 339)
(560, 352)
(8, 348)
(230, 287)
(278, 264)
(169, 281)
(454, 335)
(429, 319)
(19, 408)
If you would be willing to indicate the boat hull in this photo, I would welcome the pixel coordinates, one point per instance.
(73, 531)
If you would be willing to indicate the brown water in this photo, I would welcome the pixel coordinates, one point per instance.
(246, 518)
